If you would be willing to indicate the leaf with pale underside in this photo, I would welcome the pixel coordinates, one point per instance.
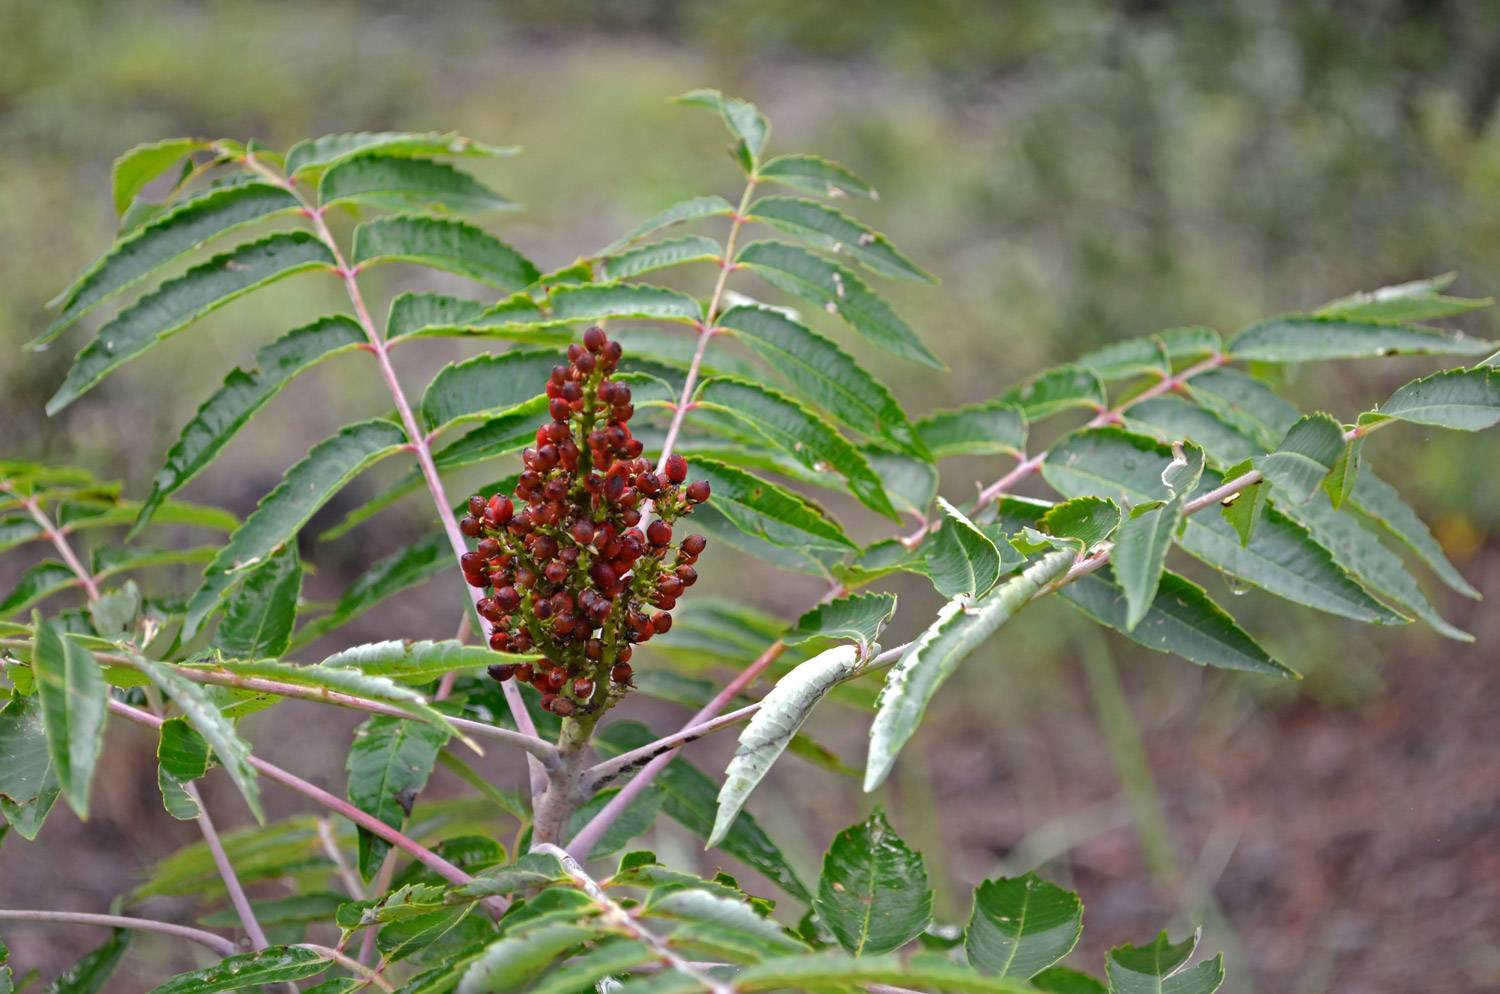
(960, 628)
(308, 158)
(419, 662)
(782, 713)
(860, 617)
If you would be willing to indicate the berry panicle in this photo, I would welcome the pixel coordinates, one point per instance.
(567, 569)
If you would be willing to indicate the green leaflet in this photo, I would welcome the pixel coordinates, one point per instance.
(961, 560)
(782, 713)
(182, 755)
(689, 799)
(274, 964)
(168, 237)
(1056, 390)
(1136, 356)
(1089, 520)
(418, 662)
(1147, 533)
(761, 510)
(36, 584)
(859, 617)
(873, 893)
(260, 615)
(598, 301)
(1419, 300)
(1171, 418)
(1339, 483)
(824, 970)
(140, 165)
(664, 254)
(1161, 968)
(446, 244)
(508, 963)
(407, 184)
(838, 291)
(1305, 457)
(742, 119)
(282, 512)
(995, 427)
(798, 431)
(1021, 925)
(92, 972)
(1465, 399)
(73, 694)
(180, 301)
(612, 957)
(411, 313)
(311, 156)
(816, 175)
(832, 231)
(910, 482)
(959, 629)
(219, 732)
(716, 924)
(388, 765)
(688, 210)
(28, 778)
(1246, 404)
(1281, 557)
(1308, 339)
(1383, 505)
(485, 386)
(1182, 620)
(406, 567)
(823, 373)
(242, 395)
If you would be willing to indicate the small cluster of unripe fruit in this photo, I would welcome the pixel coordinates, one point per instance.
(566, 567)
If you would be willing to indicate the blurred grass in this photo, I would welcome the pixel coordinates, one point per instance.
(1074, 171)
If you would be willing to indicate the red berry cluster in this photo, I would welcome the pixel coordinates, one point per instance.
(568, 571)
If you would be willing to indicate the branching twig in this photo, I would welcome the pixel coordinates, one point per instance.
(59, 540)
(346, 872)
(617, 917)
(349, 963)
(232, 883)
(219, 944)
(339, 806)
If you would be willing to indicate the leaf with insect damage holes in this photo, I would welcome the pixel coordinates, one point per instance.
(1021, 925)
(873, 892)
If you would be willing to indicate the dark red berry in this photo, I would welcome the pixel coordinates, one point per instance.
(488, 548)
(694, 545)
(476, 505)
(594, 339)
(585, 363)
(670, 586)
(648, 483)
(698, 491)
(583, 531)
(506, 598)
(559, 409)
(555, 571)
(501, 672)
(471, 563)
(612, 351)
(659, 532)
(604, 575)
(661, 622)
(470, 526)
(488, 609)
(523, 673)
(548, 701)
(594, 649)
(583, 687)
(621, 673)
(556, 677)
(542, 609)
(676, 468)
(623, 656)
(499, 640)
(687, 575)
(563, 708)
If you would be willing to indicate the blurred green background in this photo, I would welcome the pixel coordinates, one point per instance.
(1074, 171)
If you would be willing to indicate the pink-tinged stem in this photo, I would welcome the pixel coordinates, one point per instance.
(338, 805)
(418, 440)
(232, 884)
(59, 542)
(219, 944)
(706, 333)
(349, 963)
(583, 843)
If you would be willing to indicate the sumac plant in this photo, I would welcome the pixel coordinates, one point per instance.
(639, 439)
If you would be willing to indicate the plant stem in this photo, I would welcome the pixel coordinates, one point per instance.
(346, 872)
(617, 917)
(232, 883)
(587, 838)
(417, 438)
(338, 805)
(59, 541)
(726, 266)
(219, 944)
(603, 774)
